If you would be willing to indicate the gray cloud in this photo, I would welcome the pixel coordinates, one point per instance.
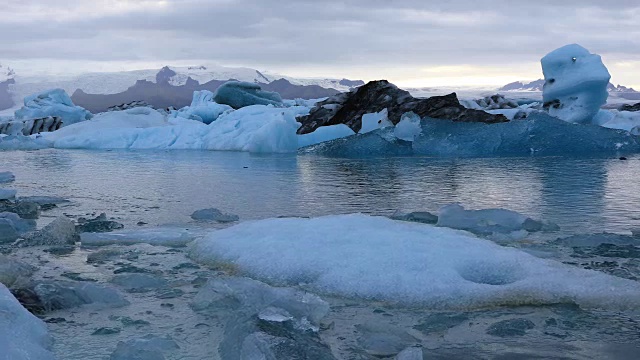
(324, 35)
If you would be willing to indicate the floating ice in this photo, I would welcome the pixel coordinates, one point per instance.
(575, 83)
(21, 225)
(238, 94)
(8, 232)
(623, 120)
(21, 142)
(488, 221)
(70, 294)
(214, 215)
(6, 194)
(14, 272)
(378, 258)
(202, 108)
(325, 133)
(54, 102)
(22, 335)
(6, 177)
(156, 236)
(60, 231)
(150, 347)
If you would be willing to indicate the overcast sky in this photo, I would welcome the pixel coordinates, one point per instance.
(412, 42)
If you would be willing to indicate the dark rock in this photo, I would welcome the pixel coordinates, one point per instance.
(31, 126)
(629, 107)
(511, 327)
(98, 225)
(440, 322)
(375, 96)
(418, 216)
(129, 105)
(60, 250)
(214, 214)
(497, 101)
(77, 277)
(29, 299)
(55, 320)
(131, 269)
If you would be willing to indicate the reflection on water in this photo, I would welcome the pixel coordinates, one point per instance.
(581, 195)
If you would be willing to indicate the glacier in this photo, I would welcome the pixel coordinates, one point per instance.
(575, 83)
(55, 103)
(361, 256)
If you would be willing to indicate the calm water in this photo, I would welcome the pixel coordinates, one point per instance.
(581, 195)
(158, 188)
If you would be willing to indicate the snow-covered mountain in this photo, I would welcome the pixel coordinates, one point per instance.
(170, 78)
(537, 85)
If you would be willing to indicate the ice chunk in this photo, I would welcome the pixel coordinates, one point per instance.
(383, 340)
(417, 216)
(138, 282)
(155, 236)
(54, 102)
(6, 177)
(238, 94)
(26, 210)
(274, 314)
(22, 335)
(255, 296)
(202, 108)
(150, 347)
(409, 127)
(411, 353)
(67, 294)
(378, 258)
(375, 121)
(487, 221)
(6, 194)
(575, 83)
(14, 272)
(19, 224)
(60, 231)
(214, 215)
(624, 120)
(325, 133)
(8, 232)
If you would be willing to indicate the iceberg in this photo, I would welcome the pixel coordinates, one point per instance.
(324, 133)
(202, 108)
(360, 256)
(158, 236)
(22, 335)
(537, 135)
(575, 84)
(54, 103)
(239, 94)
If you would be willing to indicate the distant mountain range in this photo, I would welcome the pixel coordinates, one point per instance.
(169, 86)
(619, 90)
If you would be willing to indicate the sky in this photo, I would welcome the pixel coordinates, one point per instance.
(413, 43)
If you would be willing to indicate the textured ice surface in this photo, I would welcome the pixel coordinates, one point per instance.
(408, 128)
(6, 194)
(575, 83)
(6, 177)
(69, 294)
(378, 258)
(60, 231)
(202, 108)
(14, 272)
(538, 135)
(154, 236)
(53, 102)
(238, 94)
(22, 335)
(325, 133)
(375, 121)
(488, 221)
(21, 225)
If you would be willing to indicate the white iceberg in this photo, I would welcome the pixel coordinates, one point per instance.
(325, 133)
(22, 335)
(53, 102)
(575, 83)
(378, 258)
(202, 108)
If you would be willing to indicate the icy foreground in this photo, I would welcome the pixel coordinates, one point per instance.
(22, 335)
(378, 258)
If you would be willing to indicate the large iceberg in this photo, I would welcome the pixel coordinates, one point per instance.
(575, 83)
(22, 335)
(537, 135)
(55, 103)
(202, 108)
(400, 262)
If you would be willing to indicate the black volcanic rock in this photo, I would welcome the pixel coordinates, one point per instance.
(629, 107)
(375, 96)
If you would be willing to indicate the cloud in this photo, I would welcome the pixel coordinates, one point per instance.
(366, 38)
